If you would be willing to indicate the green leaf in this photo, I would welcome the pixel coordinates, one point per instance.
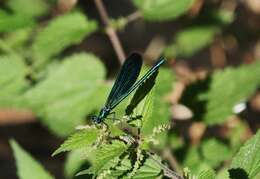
(175, 140)
(27, 166)
(12, 22)
(203, 34)
(18, 38)
(184, 46)
(235, 134)
(194, 161)
(207, 174)
(121, 169)
(163, 85)
(70, 91)
(222, 174)
(223, 16)
(80, 139)
(141, 96)
(202, 174)
(146, 108)
(74, 161)
(161, 10)
(248, 157)
(160, 108)
(192, 158)
(150, 169)
(105, 157)
(12, 80)
(30, 8)
(215, 152)
(228, 88)
(60, 33)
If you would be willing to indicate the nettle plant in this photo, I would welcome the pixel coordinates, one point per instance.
(40, 72)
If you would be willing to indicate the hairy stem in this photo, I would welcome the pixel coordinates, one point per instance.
(167, 172)
(172, 160)
(134, 16)
(110, 31)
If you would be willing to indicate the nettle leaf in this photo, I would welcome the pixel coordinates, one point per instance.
(236, 133)
(158, 115)
(12, 22)
(203, 34)
(248, 157)
(12, 79)
(184, 46)
(150, 169)
(228, 88)
(105, 157)
(69, 92)
(203, 174)
(27, 166)
(159, 106)
(61, 32)
(74, 161)
(223, 16)
(18, 38)
(207, 174)
(161, 10)
(80, 139)
(30, 8)
(215, 152)
(137, 103)
(194, 161)
(192, 158)
(122, 168)
(146, 108)
(223, 174)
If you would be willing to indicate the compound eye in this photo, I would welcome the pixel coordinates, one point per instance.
(93, 118)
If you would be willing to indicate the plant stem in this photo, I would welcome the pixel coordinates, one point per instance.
(172, 160)
(110, 31)
(167, 172)
(132, 17)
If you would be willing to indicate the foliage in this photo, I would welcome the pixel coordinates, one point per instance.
(12, 70)
(203, 34)
(184, 46)
(79, 140)
(160, 10)
(232, 79)
(150, 169)
(31, 8)
(105, 158)
(205, 174)
(214, 152)
(60, 33)
(62, 98)
(10, 22)
(248, 157)
(74, 161)
(28, 167)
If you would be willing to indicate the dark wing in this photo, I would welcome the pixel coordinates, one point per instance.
(140, 82)
(125, 79)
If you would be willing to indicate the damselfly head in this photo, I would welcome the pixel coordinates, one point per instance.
(95, 119)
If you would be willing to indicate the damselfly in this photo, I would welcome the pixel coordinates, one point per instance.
(126, 83)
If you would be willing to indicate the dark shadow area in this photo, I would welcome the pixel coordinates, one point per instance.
(237, 173)
(190, 97)
(141, 92)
